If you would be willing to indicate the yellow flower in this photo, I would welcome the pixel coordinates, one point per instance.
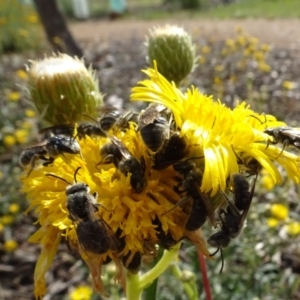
(82, 292)
(128, 214)
(280, 211)
(1, 227)
(9, 140)
(267, 181)
(205, 49)
(23, 33)
(272, 222)
(14, 208)
(30, 113)
(22, 74)
(230, 43)
(14, 96)
(265, 47)
(33, 18)
(201, 60)
(6, 220)
(289, 85)
(21, 136)
(262, 66)
(219, 68)
(217, 80)
(218, 133)
(10, 245)
(293, 228)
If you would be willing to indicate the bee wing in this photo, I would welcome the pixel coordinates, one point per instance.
(40, 144)
(210, 212)
(122, 148)
(66, 129)
(292, 133)
(246, 210)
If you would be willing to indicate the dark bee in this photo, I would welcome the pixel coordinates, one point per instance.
(286, 135)
(65, 129)
(241, 192)
(173, 150)
(118, 154)
(165, 240)
(154, 126)
(93, 233)
(201, 207)
(132, 262)
(48, 150)
(109, 117)
(232, 220)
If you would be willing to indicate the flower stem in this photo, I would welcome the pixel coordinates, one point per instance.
(133, 289)
(189, 286)
(167, 258)
(205, 279)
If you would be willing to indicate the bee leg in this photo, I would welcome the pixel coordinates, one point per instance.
(213, 254)
(285, 144)
(179, 203)
(222, 258)
(48, 162)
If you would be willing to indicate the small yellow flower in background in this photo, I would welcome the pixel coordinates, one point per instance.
(219, 68)
(82, 292)
(30, 113)
(272, 222)
(205, 49)
(33, 18)
(23, 33)
(217, 80)
(267, 181)
(1, 227)
(241, 40)
(230, 43)
(21, 136)
(293, 228)
(264, 67)
(10, 245)
(14, 96)
(279, 211)
(1, 175)
(14, 208)
(22, 74)
(6, 220)
(289, 85)
(202, 60)
(26, 125)
(265, 47)
(239, 29)
(9, 140)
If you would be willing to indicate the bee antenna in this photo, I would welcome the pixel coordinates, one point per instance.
(55, 176)
(76, 174)
(222, 258)
(90, 117)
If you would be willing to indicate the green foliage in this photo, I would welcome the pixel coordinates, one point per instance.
(19, 27)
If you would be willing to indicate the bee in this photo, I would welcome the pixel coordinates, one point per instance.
(48, 150)
(154, 126)
(109, 117)
(201, 207)
(93, 233)
(132, 262)
(118, 154)
(165, 240)
(233, 216)
(173, 151)
(286, 135)
(57, 130)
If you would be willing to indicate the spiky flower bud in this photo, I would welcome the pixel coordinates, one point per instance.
(63, 89)
(173, 50)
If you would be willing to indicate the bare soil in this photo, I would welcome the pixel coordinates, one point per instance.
(280, 33)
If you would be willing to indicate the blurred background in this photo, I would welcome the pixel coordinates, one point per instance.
(247, 50)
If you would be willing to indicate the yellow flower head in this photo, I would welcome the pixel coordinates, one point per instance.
(272, 222)
(293, 228)
(82, 292)
(22, 74)
(132, 222)
(14, 96)
(9, 140)
(280, 211)
(10, 245)
(229, 139)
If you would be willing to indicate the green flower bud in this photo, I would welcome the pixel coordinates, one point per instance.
(173, 50)
(63, 89)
